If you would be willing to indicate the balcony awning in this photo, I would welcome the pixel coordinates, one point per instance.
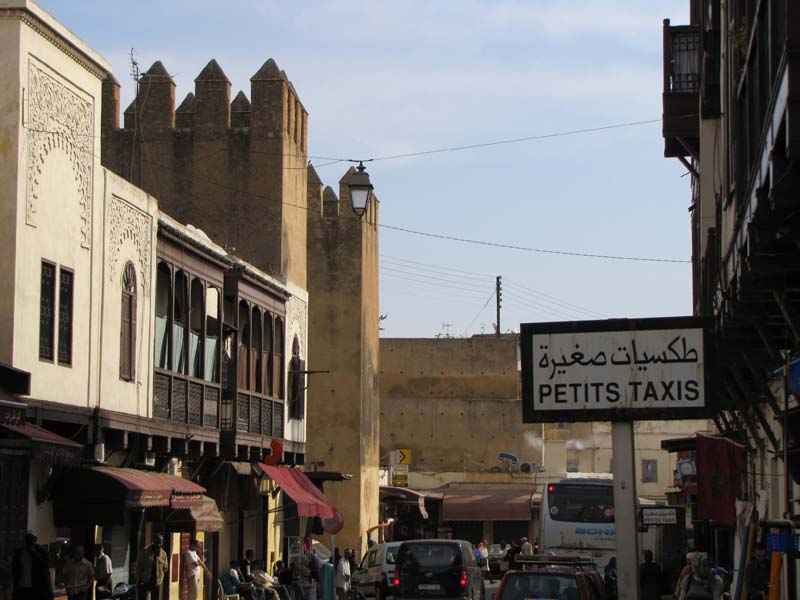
(205, 517)
(46, 447)
(398, 495)
(136, 489)
(509, 504)
(310, 501)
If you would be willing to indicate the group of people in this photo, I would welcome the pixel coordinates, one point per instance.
(698, 580)
(346, 564)
(30, 572)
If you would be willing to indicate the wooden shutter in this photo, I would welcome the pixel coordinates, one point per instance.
(276, 377)
(253, 368)
(133, 337)
(125, 354)
(241, 368)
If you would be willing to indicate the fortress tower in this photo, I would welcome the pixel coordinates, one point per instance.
(236, 169)
(344, 406)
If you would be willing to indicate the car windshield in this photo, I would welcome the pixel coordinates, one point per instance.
(431, 555)
(528, 586)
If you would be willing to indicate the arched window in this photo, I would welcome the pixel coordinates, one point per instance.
(163, 329)
(127, 335)
(244, 345)
(256, 381)
(269, 342)
(211, 367)
(196, 327)
(179, 321)
(280, 365)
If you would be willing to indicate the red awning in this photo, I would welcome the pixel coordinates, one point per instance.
(487, 505)
(47, 447)
(310, 501)
(143, 489)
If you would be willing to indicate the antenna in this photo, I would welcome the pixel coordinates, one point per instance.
(136, 148)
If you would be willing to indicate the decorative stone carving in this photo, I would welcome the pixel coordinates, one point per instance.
(296, 321)
(126, 223)
(58, 118)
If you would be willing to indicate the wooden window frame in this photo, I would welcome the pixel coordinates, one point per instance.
(69, 332)
(127, 372)
(53, 313)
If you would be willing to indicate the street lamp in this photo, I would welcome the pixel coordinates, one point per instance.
(360, 189)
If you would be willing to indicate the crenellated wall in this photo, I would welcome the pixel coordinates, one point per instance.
(236, 169)
(344, 405)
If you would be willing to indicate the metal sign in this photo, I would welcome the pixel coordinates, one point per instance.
(400, 476)
(659, 515)
(614, 370)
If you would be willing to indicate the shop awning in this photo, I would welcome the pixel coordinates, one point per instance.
(136, 489)
(205, 517)
(487, 505)
(46, 447)
(398, 495)
(310, 501)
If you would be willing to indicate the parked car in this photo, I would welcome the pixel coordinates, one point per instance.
(554, 582)
(438, 569)
(377, 562)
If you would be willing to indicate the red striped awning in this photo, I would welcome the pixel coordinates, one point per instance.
(311, 502)
(46, 447)
(512, 504)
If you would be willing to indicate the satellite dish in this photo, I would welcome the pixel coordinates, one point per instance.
(509, 457)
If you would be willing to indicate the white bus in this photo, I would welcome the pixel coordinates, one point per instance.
(577, 518)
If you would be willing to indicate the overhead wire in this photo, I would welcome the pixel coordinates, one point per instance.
(469, 285)
(553, 299)
(466, 331)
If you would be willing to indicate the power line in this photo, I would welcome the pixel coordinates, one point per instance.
(436, 269)
(428, 283)
(515, 140)
(467, 285)
(539, 250)
(489, 299)
(556, 300)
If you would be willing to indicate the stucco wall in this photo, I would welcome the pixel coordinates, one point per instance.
(343, 405)
(455, 404)
(59, 204)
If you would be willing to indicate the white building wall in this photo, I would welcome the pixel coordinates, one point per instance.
(58, 197)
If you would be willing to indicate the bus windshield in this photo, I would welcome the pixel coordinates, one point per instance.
(581, 503)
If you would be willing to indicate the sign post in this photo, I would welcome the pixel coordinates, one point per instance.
(621, 371)
(625, 510)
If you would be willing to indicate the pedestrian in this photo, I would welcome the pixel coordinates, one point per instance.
(701, 584)
(343, 576)
(685, 572)
(103, 569)
(511, 556)
(78, 575)
(484, 562)
(353, 561)
(649, 578)
(192, 564)
(526, 547)
(610, 578)
(151, 567)
(30, 571)
(757, 574)
(246, 565)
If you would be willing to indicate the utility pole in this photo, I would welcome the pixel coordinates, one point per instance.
(498, 294)
(136, 150)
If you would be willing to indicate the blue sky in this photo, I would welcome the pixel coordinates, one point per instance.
(387, 78)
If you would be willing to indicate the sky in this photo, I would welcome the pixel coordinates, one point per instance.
(381, 79)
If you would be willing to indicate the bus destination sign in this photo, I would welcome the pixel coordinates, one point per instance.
(614, 370)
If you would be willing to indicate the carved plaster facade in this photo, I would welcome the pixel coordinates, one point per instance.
(59, 118)
(129, 225)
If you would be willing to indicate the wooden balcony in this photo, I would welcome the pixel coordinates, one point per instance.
(681, 97)
(183, 399)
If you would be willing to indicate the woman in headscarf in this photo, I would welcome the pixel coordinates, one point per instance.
(701, 583)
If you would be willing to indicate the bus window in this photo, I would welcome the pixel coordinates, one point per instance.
(581, 503)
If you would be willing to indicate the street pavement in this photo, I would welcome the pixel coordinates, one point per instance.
(491, 588)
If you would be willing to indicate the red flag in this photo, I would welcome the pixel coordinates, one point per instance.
(719, 462)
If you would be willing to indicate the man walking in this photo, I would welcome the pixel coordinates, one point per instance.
(757, 574)
(193, 563)
(343, 576)
(78, 575)
(102, 568)
(151, 566)
(526, 547)
(650, 579)
(30, 571)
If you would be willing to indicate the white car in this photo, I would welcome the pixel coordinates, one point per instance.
(378, 560)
